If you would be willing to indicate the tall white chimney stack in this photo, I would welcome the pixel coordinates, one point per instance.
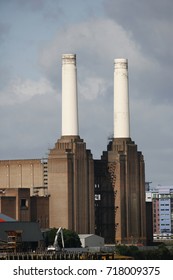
(121, 99)
(69, 96)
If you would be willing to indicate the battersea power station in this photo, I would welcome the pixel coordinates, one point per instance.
(69, 188)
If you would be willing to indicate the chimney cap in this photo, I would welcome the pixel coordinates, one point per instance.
(121, 60)
(69, 58)
(121, 63)
(70, 55)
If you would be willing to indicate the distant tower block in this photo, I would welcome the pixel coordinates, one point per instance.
(69, 96)
(121, 99)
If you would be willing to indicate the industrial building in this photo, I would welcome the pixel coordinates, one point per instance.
(20, 236)
(24, 173)
(70, 164)
(105, 196)
(91, 240)
(20, 205)
(120, 175)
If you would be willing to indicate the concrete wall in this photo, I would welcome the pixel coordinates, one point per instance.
(22, 174)
(16, 203)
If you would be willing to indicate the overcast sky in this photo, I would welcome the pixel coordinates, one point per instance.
(33, 36)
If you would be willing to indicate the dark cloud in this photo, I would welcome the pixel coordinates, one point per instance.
(134, 14)
(138, 30)
(34, 5)
(150, 23)
(4, 30)
(28, 130)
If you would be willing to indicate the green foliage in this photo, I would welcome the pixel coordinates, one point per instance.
(122, 250)
(159, 253)
(132, 251)
(71, 238)
(50, 236)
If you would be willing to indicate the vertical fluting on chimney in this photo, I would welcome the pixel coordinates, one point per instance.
(69, 96)
(121, 99)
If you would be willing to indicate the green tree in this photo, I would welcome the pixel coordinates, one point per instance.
(171, 252)
(163, 252)
(135, 252)
(71, 238)
(132, 251)
(122, 250)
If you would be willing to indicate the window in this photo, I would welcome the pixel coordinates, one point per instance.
(97, 197)
(24, 203)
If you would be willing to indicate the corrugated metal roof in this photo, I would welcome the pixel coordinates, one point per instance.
(30, 230)
(85, 235)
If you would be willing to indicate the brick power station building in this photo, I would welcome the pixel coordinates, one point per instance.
(72, 190)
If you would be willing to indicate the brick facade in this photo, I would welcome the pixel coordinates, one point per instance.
(71, 185)
(121, 187)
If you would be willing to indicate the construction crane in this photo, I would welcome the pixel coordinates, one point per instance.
(55, 246)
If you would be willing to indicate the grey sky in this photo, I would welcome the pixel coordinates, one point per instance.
(33, 36)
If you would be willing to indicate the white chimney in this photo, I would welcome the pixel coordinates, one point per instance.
(121, 99)
(69, 96)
